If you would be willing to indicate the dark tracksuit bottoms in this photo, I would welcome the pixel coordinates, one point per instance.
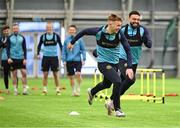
(111, 76)
(6, 71)
(126, 81)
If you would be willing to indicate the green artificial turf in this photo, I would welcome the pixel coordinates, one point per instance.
(36, 110)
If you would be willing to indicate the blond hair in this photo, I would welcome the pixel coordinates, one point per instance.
(114, 17)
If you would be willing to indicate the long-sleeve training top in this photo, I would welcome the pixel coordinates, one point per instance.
(136, 37)
(75, 53)
(108, 45)
(16, 46)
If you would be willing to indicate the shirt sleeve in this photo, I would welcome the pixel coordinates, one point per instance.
(64, 51)
(1, 43)
(127, 49)
(83, 50)
(39, 45)
(147, 38)
(24, 48)
(8, 47)
(95, 53)
(59, 42)
(88, 31)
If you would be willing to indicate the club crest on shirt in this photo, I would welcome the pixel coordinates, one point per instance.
(125, 65)
(108, 67)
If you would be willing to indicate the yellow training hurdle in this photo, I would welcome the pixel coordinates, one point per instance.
(152, 72)
(144, 95)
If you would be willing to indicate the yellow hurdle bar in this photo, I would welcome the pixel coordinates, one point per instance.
(163, 87)
(95, 77)
(149, 70)
(146, 96)
(95, 81)
(148, 83)
(154, 85)
(142, 83)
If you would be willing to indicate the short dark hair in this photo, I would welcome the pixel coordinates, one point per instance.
(72, 25)
(5, 27)
(134, 13)
(114, 17)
